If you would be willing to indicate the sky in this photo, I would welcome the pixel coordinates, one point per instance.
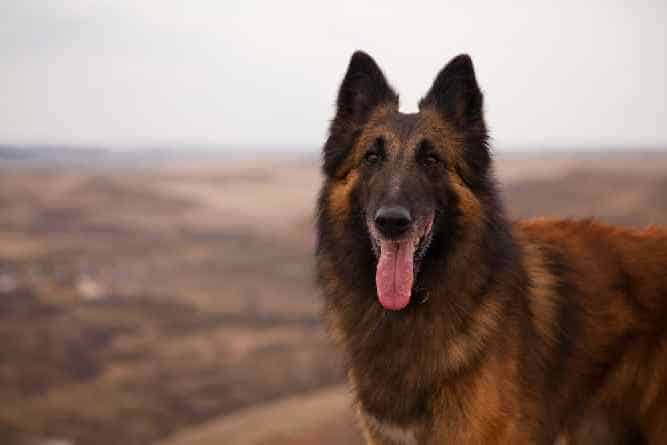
(264, 74)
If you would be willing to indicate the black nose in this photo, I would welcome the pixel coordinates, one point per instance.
(393, 221)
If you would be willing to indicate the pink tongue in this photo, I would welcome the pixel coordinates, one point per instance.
(394, 275)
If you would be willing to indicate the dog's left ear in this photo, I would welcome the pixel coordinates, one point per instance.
(455, 93)
(457, 97)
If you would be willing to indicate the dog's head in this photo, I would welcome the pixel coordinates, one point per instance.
(410, 181)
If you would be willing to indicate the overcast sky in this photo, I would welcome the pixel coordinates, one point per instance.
(138, 73)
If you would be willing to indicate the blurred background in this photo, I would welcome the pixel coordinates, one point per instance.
(159, 162)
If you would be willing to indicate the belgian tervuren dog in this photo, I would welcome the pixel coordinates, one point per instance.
(460, 326)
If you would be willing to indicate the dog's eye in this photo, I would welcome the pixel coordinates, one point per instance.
(371, 157)
(374, 154)
(430, 160)
(426, 154)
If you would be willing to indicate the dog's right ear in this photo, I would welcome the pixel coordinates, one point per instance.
(364, 88)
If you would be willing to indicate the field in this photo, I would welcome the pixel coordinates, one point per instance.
(174, 301)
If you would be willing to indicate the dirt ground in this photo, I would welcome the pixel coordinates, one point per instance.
(176, 302)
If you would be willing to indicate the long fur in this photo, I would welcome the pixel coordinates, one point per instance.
(527, 332)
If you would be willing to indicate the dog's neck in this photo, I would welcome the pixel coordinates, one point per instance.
(397, 359)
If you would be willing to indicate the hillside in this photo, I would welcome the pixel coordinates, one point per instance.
(324, 417)
(140, 305)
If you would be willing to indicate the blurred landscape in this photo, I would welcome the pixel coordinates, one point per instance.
(157, 297)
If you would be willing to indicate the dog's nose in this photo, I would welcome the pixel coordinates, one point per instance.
(393, 221)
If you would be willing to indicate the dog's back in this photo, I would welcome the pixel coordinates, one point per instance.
(599, 297)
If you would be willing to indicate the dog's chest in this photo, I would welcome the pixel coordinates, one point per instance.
(390, 432)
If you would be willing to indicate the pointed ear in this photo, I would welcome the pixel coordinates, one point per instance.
(455, 93)
(456, 96)
(364, 88)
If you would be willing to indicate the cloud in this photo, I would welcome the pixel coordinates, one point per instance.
(265, 73)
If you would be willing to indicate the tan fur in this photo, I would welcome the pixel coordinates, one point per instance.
(340, 200)
(533, 332)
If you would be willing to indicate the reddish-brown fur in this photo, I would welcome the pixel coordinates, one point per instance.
(544, 331)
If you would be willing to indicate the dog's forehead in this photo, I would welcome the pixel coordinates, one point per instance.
(405, 129)
(402, 124)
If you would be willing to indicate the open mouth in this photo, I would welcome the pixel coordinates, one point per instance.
(398, 264)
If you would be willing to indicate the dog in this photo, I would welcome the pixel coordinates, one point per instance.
(458, 325)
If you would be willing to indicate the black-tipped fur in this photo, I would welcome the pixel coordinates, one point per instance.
(456, 94)
(536, 332)
(364, 88)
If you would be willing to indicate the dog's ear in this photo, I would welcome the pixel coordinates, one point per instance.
(455, 93)
(364, 88)
(457, 97)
